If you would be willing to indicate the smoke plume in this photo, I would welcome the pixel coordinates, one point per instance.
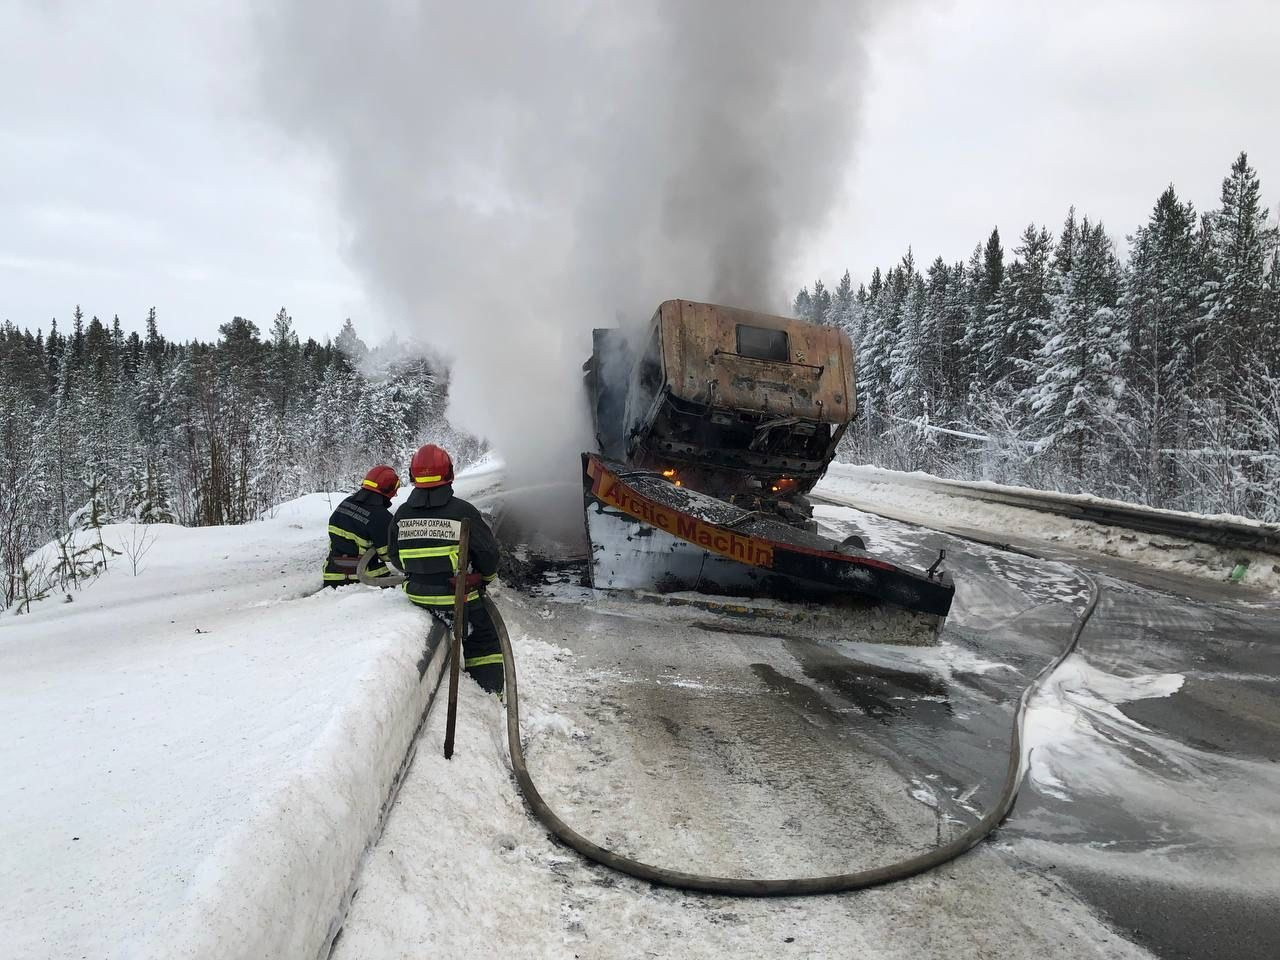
(513, 174)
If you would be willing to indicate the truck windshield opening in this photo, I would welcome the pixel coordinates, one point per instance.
(761, 343)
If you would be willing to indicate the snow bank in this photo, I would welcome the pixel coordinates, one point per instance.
(1081, 498)
(278, 884)
(197, 756)
(877, 486)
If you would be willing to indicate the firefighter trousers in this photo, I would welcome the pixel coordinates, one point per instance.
(482, 653)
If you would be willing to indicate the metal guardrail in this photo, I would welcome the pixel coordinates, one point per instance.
(1222, 533)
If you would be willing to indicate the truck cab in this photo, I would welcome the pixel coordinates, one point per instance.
(737, 404)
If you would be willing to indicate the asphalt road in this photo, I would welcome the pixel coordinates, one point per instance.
(1148, 824)
(1167, 818)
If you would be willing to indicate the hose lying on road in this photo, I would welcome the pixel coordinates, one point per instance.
(745, 886)
(800, 886)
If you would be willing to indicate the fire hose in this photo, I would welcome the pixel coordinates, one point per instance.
(782, 887)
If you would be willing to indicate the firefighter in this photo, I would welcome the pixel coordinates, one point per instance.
(361, 522)
(423, 542)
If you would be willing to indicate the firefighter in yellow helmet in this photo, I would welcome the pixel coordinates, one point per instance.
(360, 522)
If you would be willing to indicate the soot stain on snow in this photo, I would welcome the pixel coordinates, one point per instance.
(800, 695)
(671, 726)
(531, 571)
(880, 692)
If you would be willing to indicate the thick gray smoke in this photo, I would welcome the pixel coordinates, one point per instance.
(513, 174)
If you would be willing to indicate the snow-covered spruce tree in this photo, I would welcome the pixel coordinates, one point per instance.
(863, 305)
(1273, 297)
(852, 446)
(841, 312)
(59, 439)
(1234, 339)
(92, 402)
(1242, 242)
(820, 303)
(152, 403)
(276, 471)
(18, 425)
(973, 339)
(982, 338)
(350, 346)
(880, 337)
(1024, 309)
(802, 306)
(225, 389)
(1159, 308)
(91, 554)
(910, 393)
(1077, 391)
(959, 370)
(937, 336)
(1035, 368)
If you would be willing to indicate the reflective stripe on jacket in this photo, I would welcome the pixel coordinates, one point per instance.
(361, 521)
(423, 542)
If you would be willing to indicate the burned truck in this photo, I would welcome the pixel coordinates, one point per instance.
(711, 431)
(743, 406)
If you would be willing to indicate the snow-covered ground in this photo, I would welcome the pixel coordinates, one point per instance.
(196, 756)
(885, 489)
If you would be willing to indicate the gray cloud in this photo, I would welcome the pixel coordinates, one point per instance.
(132, 175)
(999, 112)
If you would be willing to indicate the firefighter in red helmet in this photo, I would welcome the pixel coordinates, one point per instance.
(360, 522)
(423, 542)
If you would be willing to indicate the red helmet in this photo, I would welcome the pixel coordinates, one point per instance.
(382, 479)
(431, 467)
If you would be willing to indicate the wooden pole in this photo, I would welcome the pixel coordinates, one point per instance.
(459, 628)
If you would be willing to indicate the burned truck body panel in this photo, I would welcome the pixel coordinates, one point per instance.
(732, 402)
(722, 356)
(743, 411)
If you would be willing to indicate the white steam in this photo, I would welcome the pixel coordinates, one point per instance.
(513, 174)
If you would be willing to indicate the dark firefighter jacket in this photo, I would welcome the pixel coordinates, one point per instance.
(360, 522)
(423, 542)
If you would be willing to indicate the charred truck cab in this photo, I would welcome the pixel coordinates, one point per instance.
(711, 431)
(744, 406)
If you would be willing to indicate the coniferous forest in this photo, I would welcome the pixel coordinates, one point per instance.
(97, 426)
(1058, 365)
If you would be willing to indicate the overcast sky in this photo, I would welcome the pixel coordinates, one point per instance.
(137, 169)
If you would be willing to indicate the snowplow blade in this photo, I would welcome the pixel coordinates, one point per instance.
(647, 534)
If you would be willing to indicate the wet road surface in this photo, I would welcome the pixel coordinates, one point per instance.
(1148, 823)
(1162, 811)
